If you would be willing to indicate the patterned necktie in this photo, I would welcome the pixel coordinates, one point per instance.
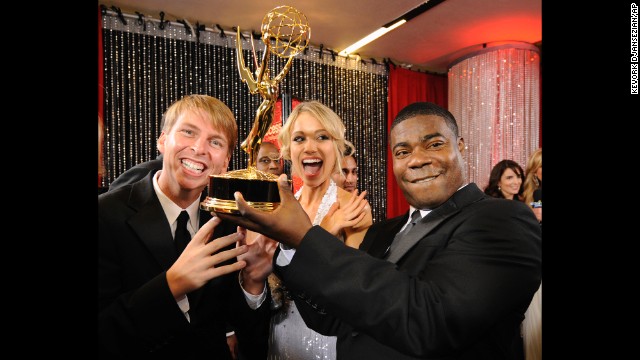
(182, 236)
(415, 216)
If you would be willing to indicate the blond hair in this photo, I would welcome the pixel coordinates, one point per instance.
(327, 118)
(531, 181)
(210, 108)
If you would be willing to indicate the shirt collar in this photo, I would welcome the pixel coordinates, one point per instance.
(424, 213)
(171, 210)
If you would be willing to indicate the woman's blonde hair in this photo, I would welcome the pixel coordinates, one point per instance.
(329, 120)
(531, 181)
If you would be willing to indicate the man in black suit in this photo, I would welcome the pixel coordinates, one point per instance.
(155, 299)
(455, 286)
(138, 172)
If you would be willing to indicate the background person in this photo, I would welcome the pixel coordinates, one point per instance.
(505, 181)
(269, 159)
(348, 177)
(137, 172)
(532, 193)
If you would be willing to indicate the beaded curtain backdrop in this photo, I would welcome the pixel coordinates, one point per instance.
(494, 95)
(149, 65)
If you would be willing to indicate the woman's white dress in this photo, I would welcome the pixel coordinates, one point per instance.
(290, 338)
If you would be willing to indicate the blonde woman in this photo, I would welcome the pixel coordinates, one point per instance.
(313, 140)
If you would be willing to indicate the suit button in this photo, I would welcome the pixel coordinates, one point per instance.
(354, 333)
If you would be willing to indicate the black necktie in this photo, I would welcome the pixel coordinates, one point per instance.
(182, 237)
(415, 216)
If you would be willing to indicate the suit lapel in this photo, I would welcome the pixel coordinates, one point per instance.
(422, 229)
(150, 223)
(460, 199)
(384, 234)
(204, 215)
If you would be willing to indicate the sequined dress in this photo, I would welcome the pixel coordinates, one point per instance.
(290, 338)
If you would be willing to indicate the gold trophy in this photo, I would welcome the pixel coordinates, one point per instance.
(286, 33)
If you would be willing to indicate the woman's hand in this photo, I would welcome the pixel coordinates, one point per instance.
(338, 218)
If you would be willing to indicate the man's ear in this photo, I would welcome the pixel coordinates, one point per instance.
(461, 145)
(160, 142)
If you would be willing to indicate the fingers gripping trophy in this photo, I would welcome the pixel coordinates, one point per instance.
(285, 33)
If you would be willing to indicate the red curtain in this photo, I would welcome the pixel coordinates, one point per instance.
(406, 87)
(100, 90)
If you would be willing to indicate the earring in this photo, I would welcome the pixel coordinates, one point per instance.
(499, 189)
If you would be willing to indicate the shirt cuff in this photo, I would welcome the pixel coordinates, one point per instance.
(285, 256)
(254, 301)
(183, 304)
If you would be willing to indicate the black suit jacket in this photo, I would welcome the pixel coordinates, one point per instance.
(460, 292)
(138, 316)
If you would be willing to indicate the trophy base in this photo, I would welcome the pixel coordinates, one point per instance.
(231, 207)
(259, 189)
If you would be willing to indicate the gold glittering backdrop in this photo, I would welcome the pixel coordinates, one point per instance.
(147, 68)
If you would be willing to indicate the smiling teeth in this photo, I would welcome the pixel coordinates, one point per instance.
(193, 166)
(311, 161)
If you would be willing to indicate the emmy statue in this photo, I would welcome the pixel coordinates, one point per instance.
(285, 33)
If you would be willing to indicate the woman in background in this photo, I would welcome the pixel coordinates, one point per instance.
(505, 181)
